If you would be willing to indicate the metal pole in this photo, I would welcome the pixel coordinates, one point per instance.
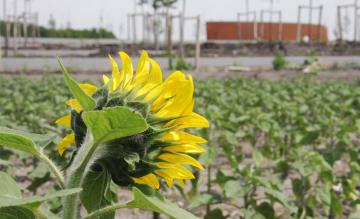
(280, 26)
(182, 26)
(319, 25)
(134, 28)
(298, 29)
(169, 40)
(15, 26)
(355, 20)
(271, 19)
(197, 44)
(310, 19)
(339, 22)
(129, 27)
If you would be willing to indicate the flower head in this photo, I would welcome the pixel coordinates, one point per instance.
(164, 150)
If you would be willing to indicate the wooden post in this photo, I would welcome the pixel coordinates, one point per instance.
(197, 44)
(298, 29)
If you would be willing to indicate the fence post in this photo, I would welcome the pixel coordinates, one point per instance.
(197, 45)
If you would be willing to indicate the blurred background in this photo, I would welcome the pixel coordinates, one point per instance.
(190, 32)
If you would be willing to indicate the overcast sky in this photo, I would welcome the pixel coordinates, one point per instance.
(87, 13)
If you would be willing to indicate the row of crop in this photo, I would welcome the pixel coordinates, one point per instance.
(276, 149)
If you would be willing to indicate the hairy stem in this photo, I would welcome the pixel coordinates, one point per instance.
(54, 170)
(105, 210)
(78, 170)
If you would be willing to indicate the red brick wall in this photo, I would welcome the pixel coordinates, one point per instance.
(229, 31)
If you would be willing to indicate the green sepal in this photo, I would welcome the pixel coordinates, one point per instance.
(86, 102)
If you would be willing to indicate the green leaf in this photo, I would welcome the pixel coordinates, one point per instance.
(95, 187)
(16, 213)
(257, 157)
(336, 205)
(113, 123)
(234, 189)
(18, 140)
(35, 201)
(153, 201)
(205, 199)
(280, 198)
(266, 210)
(86, 102)
(215, 214)
(8, 188)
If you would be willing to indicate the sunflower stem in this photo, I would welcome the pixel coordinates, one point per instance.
(53, 168)
(105, 210)
(78, 170)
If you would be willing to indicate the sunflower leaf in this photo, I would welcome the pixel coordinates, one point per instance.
(151, 200)
(113, 123)
(86, 102)
(19, 140)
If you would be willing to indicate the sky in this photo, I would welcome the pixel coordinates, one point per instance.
(112, 14)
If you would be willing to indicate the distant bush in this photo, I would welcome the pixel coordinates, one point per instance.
(279, 61)
(62, 33)
(181, 64)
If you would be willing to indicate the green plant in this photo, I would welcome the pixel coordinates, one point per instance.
(181, 65)
(127, 133)
(279, 61)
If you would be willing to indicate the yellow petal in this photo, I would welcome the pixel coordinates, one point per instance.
(142, 70)
(74, 104)
(155, 74)
(175, 171)
(64, 121)
(106, 79)
(182, 137)
(181, 93)
(127, 70)
(186, 148)
(180, 159)
(117, 77)
(65, 143)
(89, 89)
(190, 121)
(150, 180)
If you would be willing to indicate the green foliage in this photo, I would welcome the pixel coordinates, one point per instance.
(279, 143)
(63, 33)
(181, 65)
(273, 133)
(279, 61)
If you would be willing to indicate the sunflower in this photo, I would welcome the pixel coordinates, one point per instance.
(165, 150)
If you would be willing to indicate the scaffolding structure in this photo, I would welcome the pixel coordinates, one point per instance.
(280, 29)
(311, 9)
(14, 22)
(340, 8)
(247, 15)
